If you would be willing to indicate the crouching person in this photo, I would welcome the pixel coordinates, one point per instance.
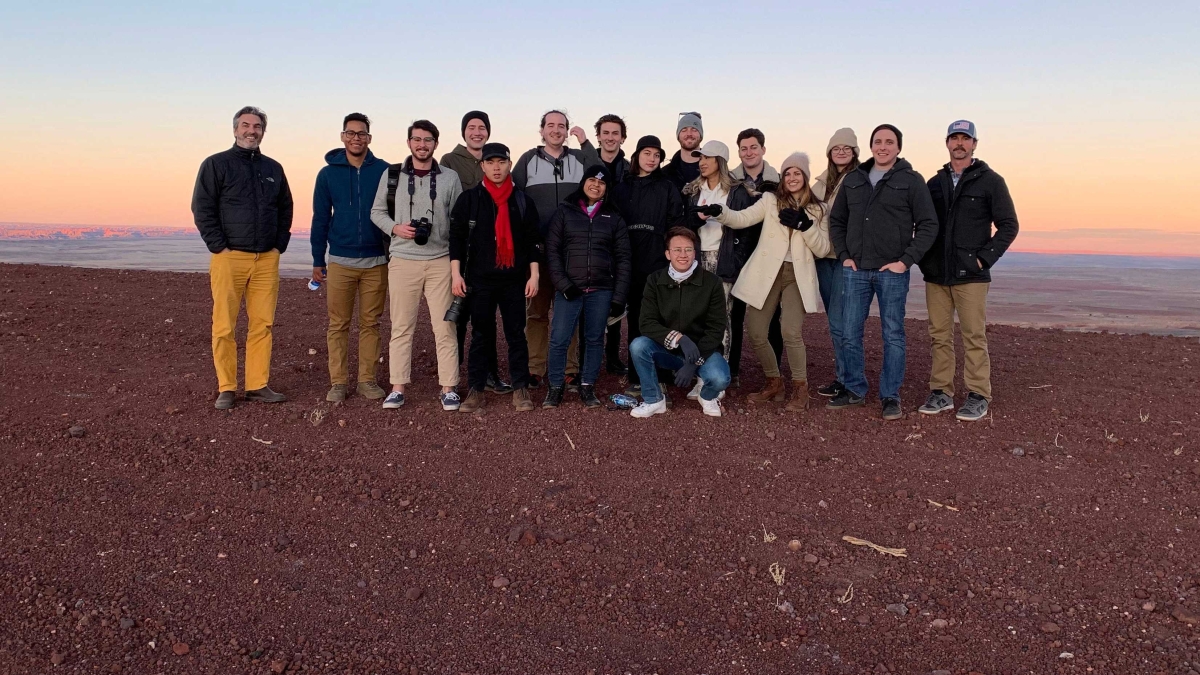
(495, 252)
(683, 323)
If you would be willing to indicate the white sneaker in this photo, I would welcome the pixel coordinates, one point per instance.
(711, 408)
(694, 394)
(648, 409)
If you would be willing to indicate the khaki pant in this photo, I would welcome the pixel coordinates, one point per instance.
(343, 286)
(235, 275)
(407, 281)
(970, 302)
(758, 324)
(537, 330)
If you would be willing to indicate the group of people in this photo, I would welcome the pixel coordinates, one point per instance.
(566, 243)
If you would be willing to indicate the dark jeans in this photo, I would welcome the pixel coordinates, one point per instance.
(892, 291)
(484, 300)
(589, 310)
(463, 321)
(829, 278)
(737, 320)
(649, 355)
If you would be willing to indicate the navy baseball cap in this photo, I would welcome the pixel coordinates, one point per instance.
(961, 127)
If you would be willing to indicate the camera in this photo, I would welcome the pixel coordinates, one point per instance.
(456, 309)
(423, 227)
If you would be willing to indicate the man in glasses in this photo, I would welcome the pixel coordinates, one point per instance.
(547, 174)
(243, 208)
(357, 265)
(413, 205)
(685, 163)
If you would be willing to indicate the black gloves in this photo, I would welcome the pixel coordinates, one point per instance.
(683, 376)
(691, 353)
(795, 219)
(712, 210)
(615, 309)
(572, 292)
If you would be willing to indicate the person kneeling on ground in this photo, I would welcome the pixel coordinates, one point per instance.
(683, 318)
(587, 253)
(495, 252)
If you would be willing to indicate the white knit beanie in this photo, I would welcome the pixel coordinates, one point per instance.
(844, 136)
(798, 160)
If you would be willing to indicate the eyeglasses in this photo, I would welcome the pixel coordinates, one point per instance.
(842, 150)
(361, 135)
(683, 251)
(422, 139)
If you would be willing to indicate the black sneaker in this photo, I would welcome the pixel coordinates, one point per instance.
(587, 394)
(554, 397)
(832, 389)
(634, 389)
(975, 409)
(535, 381)
(571, 383)
(735, 382)
(615, 367)
(891, 409)
(846, 399)
(496, 385)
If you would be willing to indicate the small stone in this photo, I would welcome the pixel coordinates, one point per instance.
(412, 553)
(811, 559)
(823, 504)
(588, 548)
(57, 658)
(312, 352)
(794, 545)
(940, 623)
(902, 494)
(278, 666)
(77, 431)
(414, 593)
(127, 623)
(1018, 452)
(1049, 627)
(898, 608)
(1148, 606)
(515, 532)
(1141, 594)
(180, 648)
(863, 619)
(1186, 615)
(376, 493)
(341, 423)
(1066, 655)
(499, 582)
(528, 538)
(1055, 609)
(912, 526)
(786, 607)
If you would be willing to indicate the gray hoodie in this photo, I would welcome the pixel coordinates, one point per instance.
(415, 205)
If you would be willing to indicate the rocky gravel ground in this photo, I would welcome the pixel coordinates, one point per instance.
(142, 531)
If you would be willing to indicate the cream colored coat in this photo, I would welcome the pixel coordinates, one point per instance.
(818, 189)
(757, 277)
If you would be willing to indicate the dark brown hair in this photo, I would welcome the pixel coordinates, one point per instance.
(424, 125)
(611, 119)
(680, 231)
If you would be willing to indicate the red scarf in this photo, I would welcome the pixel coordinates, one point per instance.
(504, 240)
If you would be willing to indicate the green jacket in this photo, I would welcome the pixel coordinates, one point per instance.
(465, 165)
(695, 308)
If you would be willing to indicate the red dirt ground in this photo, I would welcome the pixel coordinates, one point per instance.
(166, 537)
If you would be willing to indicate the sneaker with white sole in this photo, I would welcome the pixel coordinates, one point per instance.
(938, 402)
(711, 408)
(975, 409)
(450, 400)
(649, 409)
(694, 394)
(394, 400)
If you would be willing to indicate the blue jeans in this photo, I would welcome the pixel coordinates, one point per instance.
(829, 278)
(592, 309)
(892, 291)
(647, 355)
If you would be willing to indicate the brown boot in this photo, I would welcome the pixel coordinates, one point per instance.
(475, 401)
(798, 401)
(774, 391)
(521, 400)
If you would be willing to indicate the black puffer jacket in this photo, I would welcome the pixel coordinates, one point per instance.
(736, 245)
(650, 205)
(965, 217)
(242, 202)
(588, 252)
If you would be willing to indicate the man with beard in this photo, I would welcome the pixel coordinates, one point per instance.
(685, 163)
(357, 266)
(243, 208)
(547, 174)
(413, 205)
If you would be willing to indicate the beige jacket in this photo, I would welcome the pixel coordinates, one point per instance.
(757, 277)
(818, 189)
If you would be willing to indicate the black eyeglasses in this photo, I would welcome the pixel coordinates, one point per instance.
(363, 135)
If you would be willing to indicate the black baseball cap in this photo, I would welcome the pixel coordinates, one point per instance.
(494, 150)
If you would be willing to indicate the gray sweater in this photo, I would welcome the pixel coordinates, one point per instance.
(417, 205)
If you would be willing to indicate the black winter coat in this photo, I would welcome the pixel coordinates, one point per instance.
(965, 217)
(650, 206)
(736, 245)
(242, 202)
(679, 172)
(588, 252)
(894, 221)
(473, 237)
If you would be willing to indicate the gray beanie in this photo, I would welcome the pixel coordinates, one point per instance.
(689, 120)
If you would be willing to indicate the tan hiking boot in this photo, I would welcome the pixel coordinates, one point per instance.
(371, 390)
(774, 391)
(337, 393)
(476, 400)
(798, 401)
(521, 400)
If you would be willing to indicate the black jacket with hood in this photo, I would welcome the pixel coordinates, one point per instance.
(650, 205)
(678, 174)
(473, 237)
(894, 221)
(588, 252)
(965, 216)
(736, 245)
(242, 202)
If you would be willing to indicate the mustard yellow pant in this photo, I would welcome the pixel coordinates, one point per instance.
(235, 275)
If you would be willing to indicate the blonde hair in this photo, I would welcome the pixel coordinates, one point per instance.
(726, 179)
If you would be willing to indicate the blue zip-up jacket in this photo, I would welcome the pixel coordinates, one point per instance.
(342, 202)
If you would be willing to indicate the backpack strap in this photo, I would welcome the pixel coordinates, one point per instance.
(393, 180)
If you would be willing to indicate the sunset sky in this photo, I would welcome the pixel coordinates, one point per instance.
(1087, 109)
